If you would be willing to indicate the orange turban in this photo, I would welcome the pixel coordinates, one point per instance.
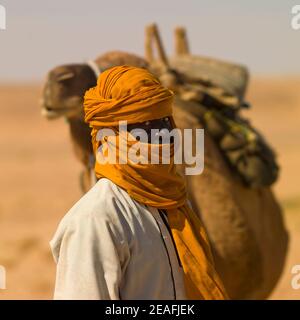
(126, 93)
(133, 94)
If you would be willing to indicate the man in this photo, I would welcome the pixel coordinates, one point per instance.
(134, 234)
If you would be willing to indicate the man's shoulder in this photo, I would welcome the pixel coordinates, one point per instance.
(104, 206)
(102, 201)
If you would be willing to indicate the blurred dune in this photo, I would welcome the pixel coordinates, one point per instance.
(39, 180)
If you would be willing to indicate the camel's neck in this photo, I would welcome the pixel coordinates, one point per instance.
(81, 134)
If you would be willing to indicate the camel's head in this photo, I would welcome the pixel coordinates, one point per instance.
(64, 90)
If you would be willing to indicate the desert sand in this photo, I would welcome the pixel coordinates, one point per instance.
(39, 180)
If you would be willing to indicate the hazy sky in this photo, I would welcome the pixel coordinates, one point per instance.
(43, 34)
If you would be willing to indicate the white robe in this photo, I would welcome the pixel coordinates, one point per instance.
(109, 246)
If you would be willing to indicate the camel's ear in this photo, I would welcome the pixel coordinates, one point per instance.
(65, 76)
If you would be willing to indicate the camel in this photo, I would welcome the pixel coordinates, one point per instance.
(63, 97)
(245, 226)
(244, 222)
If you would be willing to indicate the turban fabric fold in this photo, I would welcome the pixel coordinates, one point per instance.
(134, 95)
